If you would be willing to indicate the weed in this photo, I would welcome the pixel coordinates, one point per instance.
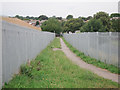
(25, 69)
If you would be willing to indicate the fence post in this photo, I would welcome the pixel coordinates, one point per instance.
(97, 36)
(110, 47)
(0, 54)
(88, 36)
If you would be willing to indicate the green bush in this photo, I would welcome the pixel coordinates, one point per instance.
(26, 70)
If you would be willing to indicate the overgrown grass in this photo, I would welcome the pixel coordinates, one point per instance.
(93, 61)
(56, 44)
(52, 69)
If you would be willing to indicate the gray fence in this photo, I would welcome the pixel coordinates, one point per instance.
(102, 46)
(20, 44)
(0, 54)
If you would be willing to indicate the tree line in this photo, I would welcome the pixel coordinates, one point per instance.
(99, 22)
(41, 17)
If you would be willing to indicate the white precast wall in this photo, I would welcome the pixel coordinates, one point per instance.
(100, 45)
(20, 44)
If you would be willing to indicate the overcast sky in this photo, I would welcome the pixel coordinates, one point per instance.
(58, 8)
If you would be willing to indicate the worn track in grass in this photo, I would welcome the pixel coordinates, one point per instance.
(101, 72)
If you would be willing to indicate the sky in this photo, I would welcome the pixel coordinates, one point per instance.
(57, 7)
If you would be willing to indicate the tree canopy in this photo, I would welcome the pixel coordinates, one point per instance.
(52, 25)
(37, 23)
(43, 17)
(101, 14)
(101, 21)
(72, 25)
(116, 25)
(69, 17)
(115, 15)
(93, 25)
(59, 18)
(85, 18)
(105, 19)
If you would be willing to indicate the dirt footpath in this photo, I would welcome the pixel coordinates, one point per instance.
(100, 72)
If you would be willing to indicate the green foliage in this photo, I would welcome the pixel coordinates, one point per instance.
(93, 61)
(57, 71)
(26, 18)
(116, 25)
(20, 17)
(37, 23)
(34, 18)
(73, 25)
(93, 25)
(100, 15)
(115, 15)
(69, 17)
(53, 17)
(105, 19)
(59, 18)
(17, 16)
(85, 19)
(101, 23)
(89, 17)
(52, 25)
(26, 70)
(43, 17)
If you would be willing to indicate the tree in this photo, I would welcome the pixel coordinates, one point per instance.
(73, 25)
(52, 25)
(100, 15)
(59, 18)
(115, 15)
(54, 16)
(83, 18)
(36, 18)
(37, 23)
(20, 17)
(27, 17)
(105, 19)
(43, 17)
(93, 25)
(89, 17)
(17, 16)
(116, 25)
(69, 17)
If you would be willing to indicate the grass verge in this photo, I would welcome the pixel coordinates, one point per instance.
(52, 69)
(93, 61)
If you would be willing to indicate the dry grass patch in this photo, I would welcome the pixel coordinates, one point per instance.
(20, 22)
